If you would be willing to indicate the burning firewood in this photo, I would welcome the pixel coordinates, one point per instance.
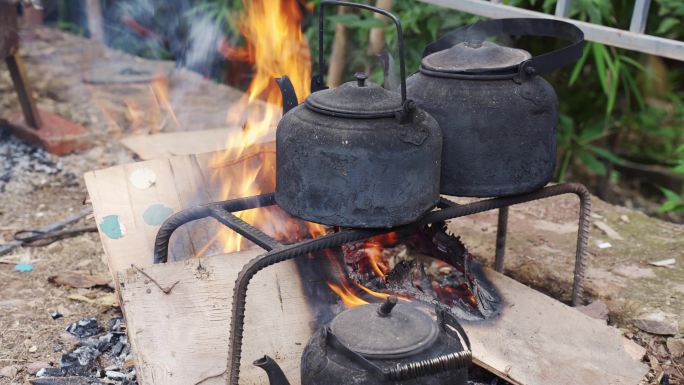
(430, 265)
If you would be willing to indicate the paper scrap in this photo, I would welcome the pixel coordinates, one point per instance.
(143, 178)
(663, 262)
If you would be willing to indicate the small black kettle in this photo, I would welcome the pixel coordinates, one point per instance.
(357, 155)
(497, 114)
(383, 344)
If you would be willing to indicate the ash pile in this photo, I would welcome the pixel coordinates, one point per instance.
(101, 356)
(23, 167)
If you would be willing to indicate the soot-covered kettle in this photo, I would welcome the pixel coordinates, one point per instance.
(497, 114)
(357, 155)
(383, 344)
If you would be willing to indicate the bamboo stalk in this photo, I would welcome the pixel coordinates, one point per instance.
(94, 16)
(376, 38)
(338, 57)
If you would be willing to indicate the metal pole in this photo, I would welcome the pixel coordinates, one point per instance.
(563, 8)
(640, 16)
(501, 229)
(23, 88)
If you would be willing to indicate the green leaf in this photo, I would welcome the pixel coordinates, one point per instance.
(666, 25)
(592, 163)
(614, 83)
(600, 59)
(433, 27)
(593, 131)
(607, 155)
(671, 195)
(577, 70)
(673, 201)
(679, 169)
(680, 149)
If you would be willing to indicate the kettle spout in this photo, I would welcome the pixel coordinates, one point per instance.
(275, 374)
(288, 92)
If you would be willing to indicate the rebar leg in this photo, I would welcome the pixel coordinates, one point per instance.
(21, 85)
(582, 241)
(501, 229)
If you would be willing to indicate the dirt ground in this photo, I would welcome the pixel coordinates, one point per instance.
(40, 189)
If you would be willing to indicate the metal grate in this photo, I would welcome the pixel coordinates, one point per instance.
(635, 39)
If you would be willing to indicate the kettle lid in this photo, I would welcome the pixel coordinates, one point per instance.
(475, 58)
(356, 99)
(376, 333)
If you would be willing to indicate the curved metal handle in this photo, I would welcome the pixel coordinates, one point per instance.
(317, 82)
(540, 64)
(411, 370)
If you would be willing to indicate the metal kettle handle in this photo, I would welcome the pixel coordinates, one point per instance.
(540, 64)
(317, 81)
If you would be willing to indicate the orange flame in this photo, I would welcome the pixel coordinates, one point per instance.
(347, 295)
(276, 47)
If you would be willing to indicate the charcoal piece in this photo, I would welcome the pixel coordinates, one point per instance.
(49, 372)
(81, 362)
(65, 381)
(85, 328)
(116, 324)
(115, 375)
(56, 315)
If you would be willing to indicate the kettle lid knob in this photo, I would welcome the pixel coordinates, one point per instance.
(386, 308)
(361, 78)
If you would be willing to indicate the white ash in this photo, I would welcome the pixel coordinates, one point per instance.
(25, 168)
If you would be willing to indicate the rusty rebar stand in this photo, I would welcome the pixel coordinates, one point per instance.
(277, 252)
(50, 131)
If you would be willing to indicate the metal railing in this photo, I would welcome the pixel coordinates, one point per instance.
(635, 39)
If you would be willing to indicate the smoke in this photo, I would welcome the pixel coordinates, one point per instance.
(180, 30)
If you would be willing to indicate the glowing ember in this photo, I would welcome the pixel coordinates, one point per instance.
(429, 266)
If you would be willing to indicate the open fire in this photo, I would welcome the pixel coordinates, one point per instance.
(275, 47)
(429, 265)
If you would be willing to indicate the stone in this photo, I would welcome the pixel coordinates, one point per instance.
(597, 309)
(676, 347)
(34, 367)
(10, 371)
(657, 322)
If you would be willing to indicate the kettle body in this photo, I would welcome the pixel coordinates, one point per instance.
(322, 364)
(358, 155)
(374, 172)
(499, 135)
(383, 344)
(497, 113)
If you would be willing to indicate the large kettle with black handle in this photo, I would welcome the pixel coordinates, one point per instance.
(497, 114)
(357, 155)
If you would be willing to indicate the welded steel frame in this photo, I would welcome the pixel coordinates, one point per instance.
(277, 252)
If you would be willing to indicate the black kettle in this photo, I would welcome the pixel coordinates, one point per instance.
(383, 344)
(357, 155)
(497, 114)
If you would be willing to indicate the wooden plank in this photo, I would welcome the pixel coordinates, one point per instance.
(117, 200)
(539, 341)
(649, 44)
(536, 340)
(179, 182)
(168, 144)
(181, 338)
